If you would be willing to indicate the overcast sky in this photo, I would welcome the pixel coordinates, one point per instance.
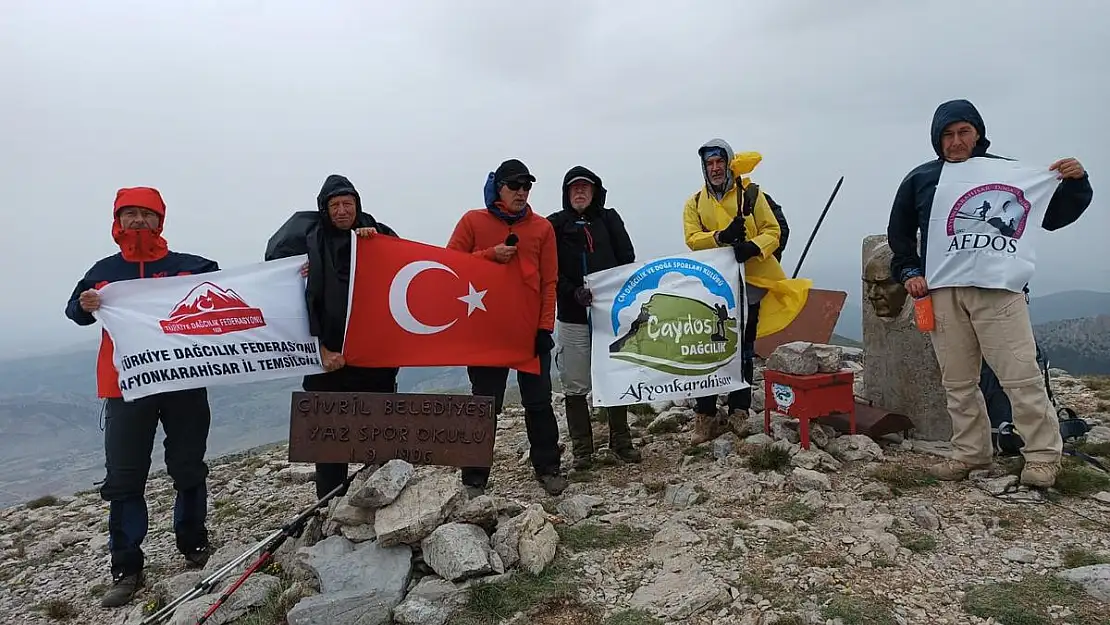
(237, 110)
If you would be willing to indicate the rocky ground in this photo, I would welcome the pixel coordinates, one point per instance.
(747, 529)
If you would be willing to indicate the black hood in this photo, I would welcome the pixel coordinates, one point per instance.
(333, 186)
(579, 171)
(959, 111)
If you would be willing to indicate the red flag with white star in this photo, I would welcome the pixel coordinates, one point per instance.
(419, 305)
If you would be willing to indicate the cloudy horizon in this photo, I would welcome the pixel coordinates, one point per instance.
(237, 111)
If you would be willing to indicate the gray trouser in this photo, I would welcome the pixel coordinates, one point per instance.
(572, 357)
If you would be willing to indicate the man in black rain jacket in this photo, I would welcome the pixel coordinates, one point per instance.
(589, 238)
(325, 235)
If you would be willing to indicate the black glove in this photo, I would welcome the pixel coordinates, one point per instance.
(733, 232)
(543, 341)
(745, 251)
(583, 296)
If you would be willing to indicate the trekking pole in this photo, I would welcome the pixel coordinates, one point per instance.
(817, 227)
(269, 545)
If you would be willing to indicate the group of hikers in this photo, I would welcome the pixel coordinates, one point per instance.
(585, 236)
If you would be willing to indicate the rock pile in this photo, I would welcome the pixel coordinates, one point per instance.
(403, 546)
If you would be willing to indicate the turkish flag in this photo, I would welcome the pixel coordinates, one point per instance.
(418, 305)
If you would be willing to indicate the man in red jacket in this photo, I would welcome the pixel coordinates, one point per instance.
(129, 427)
(508, 229)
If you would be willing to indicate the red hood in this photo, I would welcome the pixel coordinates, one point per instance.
(140, 245)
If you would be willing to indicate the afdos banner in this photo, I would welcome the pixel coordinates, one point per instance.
(667, 328)
(245, 324)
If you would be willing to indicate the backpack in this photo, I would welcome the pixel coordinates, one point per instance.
(749, 197)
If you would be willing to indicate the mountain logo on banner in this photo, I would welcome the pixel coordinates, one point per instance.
(209, 309)
(988, 216)
(686, 326)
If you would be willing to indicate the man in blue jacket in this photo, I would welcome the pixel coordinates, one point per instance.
(972, 323)
(129, 427)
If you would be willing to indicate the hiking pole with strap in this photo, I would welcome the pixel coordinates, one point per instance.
(817, 227)
(269, 545)
(291, 529)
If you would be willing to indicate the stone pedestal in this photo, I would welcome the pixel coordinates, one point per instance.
(901, 372)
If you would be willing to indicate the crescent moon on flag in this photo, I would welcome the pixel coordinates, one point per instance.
(399, 297)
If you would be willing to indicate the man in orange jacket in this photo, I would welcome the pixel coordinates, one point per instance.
(508, 229)
(129, 427)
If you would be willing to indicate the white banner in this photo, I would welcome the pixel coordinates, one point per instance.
(226, 327)
(985, 218)
(668, 328)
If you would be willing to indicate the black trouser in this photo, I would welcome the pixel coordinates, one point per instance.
(741, 399)
(349, 380)
(539, 416)
(129, 430)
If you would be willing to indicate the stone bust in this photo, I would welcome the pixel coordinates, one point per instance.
(887, 295)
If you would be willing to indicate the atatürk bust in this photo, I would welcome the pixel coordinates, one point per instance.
(887, 295)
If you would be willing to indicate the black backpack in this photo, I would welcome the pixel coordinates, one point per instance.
(749, 197)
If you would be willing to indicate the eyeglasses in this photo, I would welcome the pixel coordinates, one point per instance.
(517, 185)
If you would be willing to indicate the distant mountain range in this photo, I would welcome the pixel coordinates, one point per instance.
(1081, 346)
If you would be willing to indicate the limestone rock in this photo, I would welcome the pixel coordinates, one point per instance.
(384, 485)
(795, 358)
(421, 507)
(805, 480)
(855, 448)
(1094, 579)
(680, 495)
(345, 513)
(672, 540)
(682, 594)
(577, 508)
(431, 602)
(828, 357)
(527, 539)
(341, 566)
(457, 551)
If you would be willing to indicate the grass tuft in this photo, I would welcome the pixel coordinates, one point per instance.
(1024, 602)
(58, 609)
(768, 458)
(42, 502)
(587, 536)
(490, 603)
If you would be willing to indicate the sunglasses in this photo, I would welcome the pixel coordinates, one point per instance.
(517, 185)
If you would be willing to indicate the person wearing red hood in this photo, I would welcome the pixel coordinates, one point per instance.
(505, 229)
(130, 427)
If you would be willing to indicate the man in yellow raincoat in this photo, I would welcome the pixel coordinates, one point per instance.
(712, 218)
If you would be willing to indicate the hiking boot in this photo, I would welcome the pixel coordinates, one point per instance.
(1040, 474)
(706, 428)
(581, 431)
(739, 424)
(474, 492)
(122, 591)
(197, 558)
(954, 470)
(554, 485)
(620, 437)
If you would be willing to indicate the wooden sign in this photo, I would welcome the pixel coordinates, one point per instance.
(448, 430)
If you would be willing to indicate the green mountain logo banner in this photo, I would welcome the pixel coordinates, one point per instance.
(667, 328)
